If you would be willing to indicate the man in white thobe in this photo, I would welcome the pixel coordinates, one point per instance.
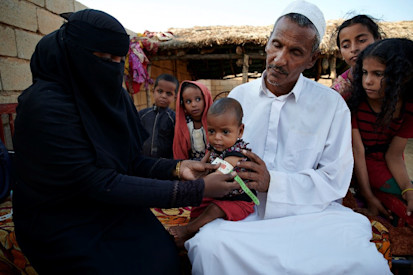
(300, 132)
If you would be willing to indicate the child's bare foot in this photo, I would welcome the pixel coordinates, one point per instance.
(181, 234)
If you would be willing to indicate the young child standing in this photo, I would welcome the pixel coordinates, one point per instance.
(192, 104)
(159, 120)
(225, 129)
(353, 36)
(382, 119)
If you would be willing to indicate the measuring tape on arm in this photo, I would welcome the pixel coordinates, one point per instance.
(226, 168)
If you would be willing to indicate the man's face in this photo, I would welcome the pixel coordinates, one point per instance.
(288, 54)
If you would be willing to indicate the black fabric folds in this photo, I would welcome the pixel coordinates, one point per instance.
(100, 99)
(83, 190)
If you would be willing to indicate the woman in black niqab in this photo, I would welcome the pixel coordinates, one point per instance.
(96, 84)
(82, 194)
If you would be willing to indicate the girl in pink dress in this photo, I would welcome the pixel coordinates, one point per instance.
(353, 36)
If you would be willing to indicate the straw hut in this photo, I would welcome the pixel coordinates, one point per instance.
(225, 52)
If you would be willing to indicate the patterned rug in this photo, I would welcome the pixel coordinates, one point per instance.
(172, 216)
(12, 260)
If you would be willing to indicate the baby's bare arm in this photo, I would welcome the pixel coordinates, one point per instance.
(233, 160)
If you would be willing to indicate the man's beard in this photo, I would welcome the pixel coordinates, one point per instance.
(279, 70)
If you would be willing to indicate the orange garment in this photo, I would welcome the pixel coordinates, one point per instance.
(182, 140)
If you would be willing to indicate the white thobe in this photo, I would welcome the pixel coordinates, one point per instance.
(304, 137)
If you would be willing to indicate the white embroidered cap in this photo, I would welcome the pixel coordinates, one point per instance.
(309, 10)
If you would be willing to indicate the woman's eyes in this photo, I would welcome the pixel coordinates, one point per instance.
(107, 59)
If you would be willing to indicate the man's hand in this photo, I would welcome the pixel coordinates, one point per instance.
(192, 169)
(257, 175)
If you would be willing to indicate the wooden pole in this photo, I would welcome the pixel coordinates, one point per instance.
(318, 72)
(245, 66)
(333, 72)
(130, 87)
(147, 90)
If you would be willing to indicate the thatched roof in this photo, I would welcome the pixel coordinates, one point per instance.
(213, 36)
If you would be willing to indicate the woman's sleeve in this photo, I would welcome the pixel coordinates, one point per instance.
(56, 163)
(115, 188)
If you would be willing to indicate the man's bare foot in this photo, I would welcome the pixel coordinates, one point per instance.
(181, 234)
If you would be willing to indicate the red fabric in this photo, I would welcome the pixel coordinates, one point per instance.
(364, 120)
(135, 87)
(234, 210)
(396, 206)
(182, 140)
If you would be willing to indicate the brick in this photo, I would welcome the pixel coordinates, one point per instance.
(15, 74)
(7, 42)
(60, 6)
(9, 97)
(26, 43)
(39, 3)
(19, 14)
(48, 21)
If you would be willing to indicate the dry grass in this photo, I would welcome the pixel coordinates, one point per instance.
(212, 36)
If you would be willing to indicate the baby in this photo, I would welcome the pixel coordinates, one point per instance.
(225, 129)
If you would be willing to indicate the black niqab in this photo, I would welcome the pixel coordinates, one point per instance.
(107, 112)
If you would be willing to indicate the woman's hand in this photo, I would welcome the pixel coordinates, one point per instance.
(375, 207)
(193, 169)
(218, 185)
(257, 175)
(408, 196)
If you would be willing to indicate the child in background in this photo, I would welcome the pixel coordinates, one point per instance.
(192, 104)
(353, 36)
(225, 129)
(159, 120)
(382, 119)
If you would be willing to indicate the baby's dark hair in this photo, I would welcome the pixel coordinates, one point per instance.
(227, 104)
(397, 55)
(169, 78)
(364, 20)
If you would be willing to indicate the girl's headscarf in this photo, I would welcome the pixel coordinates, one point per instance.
(182, 140)
(65, 58)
